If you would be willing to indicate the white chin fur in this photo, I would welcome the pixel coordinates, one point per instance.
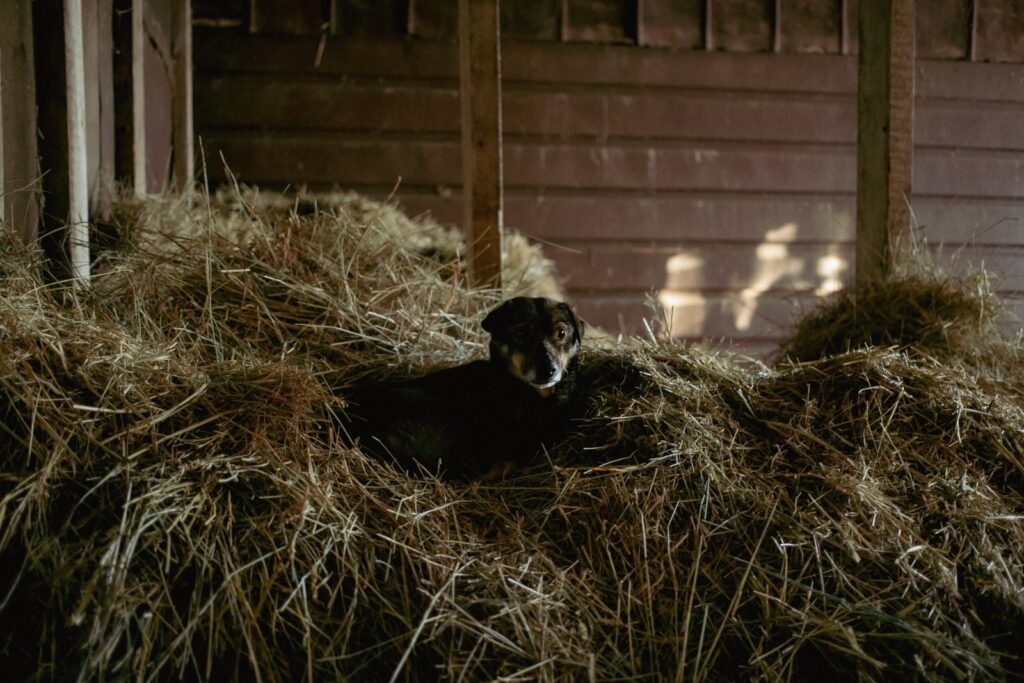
(547, 385)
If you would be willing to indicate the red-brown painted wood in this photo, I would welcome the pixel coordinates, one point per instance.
(608, 147)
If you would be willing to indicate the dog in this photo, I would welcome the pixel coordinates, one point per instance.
(482, 419)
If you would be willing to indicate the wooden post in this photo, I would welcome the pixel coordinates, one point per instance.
(97, 21)
(139, 170)
(184, 155)
(709, 26)
(3, 213)
(885, 133)
(19, 179)
(480, 86)
(78, 157)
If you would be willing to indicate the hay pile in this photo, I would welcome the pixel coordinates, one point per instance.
(926, 312)
(176, 503)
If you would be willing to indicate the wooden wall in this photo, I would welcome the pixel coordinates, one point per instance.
(20, 176)
(720, 183)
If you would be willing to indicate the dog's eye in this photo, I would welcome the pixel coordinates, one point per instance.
(560, 332)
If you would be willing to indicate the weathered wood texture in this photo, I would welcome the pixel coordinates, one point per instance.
(21, 178)
(725, 183)
(183, 135)
(78, 149)
(885, 135)
(480, 118)
(152, 71)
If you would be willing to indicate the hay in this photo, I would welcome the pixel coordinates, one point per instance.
(925, 311)
(176, 502)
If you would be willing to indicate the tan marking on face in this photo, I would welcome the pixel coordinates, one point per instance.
(517, 361)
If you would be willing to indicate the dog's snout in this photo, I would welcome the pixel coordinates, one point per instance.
(546, 370)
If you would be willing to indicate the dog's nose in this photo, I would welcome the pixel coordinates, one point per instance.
(545, 372)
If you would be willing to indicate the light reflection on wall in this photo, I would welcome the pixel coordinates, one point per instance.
(723, 296)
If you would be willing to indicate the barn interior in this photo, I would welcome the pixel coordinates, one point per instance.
(793, 230)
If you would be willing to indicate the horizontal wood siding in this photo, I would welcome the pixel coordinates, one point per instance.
(720, 184)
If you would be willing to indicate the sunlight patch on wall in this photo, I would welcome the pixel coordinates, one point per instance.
(742, 289)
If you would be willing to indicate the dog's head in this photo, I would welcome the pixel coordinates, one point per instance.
(535, 339)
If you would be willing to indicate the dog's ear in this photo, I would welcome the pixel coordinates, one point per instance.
(496, 318)
(578, 321)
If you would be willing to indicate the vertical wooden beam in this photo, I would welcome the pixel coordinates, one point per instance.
(107, 122)
(78, 157)
(641, 39)
(480, 86)
(709, 26)
(885, 133)
(99, 93)
(844, 27)
(777, 27)
(3, 213)
(19, 203)
(184, 154)
(972, 33)
(138, 29)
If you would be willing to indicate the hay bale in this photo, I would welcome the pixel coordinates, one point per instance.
(176, 502)
(925, 311)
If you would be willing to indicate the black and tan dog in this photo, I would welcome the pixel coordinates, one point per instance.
(481, 419)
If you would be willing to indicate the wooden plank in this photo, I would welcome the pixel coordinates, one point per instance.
(943, 30)
(600, 21)
(969, 174)
(728, 218)
(885, 133)
(225, 52)
(695, 315)
(436, 19)
(742, 25)
(303, 104)
(999, 35)
(672, 23)
(314, 105)
(577, 63)
(3, 186)
(91, 64)
(973, 222)
(969, 126)
(1004, 264)
(78, 157)
(21, 177)
(280, 158)
(535, 20)
(387, 19)
(139, 138)
(278, 103)
(300, 17)
(99, 94)
(811, 27)
(480, 88)
(705, 266)
(970, 81)
(183, 135)
(48, 26)
(158, 105)
(103, 190)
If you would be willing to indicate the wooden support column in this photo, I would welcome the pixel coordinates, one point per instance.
(184, 154)
(480, 86)
(78, 157)
(885, 133)
(3, 214)
(19, 178)
(97, 19)
(140, 185)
